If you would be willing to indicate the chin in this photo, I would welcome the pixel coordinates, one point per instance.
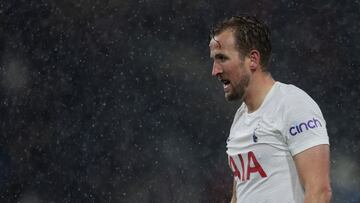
(232, 97)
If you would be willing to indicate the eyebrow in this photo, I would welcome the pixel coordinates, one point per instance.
(219, 55)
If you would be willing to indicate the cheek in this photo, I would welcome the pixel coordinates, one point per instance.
(238, 75)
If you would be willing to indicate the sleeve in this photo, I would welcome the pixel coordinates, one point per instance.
(303, 124)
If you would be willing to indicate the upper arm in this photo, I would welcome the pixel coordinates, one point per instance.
(313, 169)
(306, 136)
(303, 124)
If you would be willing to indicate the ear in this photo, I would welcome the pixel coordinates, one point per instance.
(254, 56)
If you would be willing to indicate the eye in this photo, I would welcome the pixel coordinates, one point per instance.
(221, 57)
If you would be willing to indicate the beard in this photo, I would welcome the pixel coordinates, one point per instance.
(238, 90)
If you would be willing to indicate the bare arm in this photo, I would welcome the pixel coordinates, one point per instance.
(233, 198)
(313, 168)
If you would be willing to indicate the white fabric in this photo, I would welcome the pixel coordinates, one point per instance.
(261, 145)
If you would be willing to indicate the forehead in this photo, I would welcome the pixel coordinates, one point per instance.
(223, 41)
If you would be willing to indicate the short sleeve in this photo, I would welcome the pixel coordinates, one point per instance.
(304, 125)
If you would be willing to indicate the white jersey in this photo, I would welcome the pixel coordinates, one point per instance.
(261, 145)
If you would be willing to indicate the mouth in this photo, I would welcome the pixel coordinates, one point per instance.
(226, 84)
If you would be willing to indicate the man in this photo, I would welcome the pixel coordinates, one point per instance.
(278, 146)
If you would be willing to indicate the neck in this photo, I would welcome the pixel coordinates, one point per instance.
(260, 84)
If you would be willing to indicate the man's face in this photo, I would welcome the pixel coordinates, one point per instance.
(231, 69)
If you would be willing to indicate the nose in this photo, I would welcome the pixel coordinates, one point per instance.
(216, 69)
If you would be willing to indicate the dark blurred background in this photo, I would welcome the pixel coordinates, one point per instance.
(113, 100)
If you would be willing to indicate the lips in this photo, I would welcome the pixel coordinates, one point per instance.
(226, 84)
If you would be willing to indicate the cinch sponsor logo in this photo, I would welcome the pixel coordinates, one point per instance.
(312, 123)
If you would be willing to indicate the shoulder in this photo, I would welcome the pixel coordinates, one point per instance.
(294, 105)
(297, 107)
(294, 97)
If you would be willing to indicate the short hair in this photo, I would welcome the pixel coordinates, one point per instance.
(250, 33)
